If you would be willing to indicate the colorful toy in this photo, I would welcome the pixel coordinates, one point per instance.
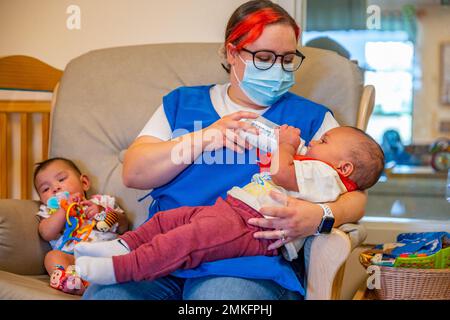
(77, 228)
(74, 221)
(53, 202)
(66, 280)
(439, 260)
(440, 154)
(106, 219)
(426, 250)
(57, 276)
(75, 218)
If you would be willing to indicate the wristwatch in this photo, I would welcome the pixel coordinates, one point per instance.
(326, 225)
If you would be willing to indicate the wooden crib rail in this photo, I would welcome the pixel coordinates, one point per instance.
(25, 109)
(24, 73)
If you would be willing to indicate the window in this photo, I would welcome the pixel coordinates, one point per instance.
(386, 58)
(389, 66)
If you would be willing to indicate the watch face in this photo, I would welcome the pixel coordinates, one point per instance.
(327, 225)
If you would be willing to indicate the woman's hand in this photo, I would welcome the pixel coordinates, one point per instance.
(225, 132)
(298, 219)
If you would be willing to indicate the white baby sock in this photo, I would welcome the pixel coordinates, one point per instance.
(96, 270)
(106, 249)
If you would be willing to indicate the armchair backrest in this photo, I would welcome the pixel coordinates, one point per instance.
(106, 96)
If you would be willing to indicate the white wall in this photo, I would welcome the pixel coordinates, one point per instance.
(433, 30)
(38, 28)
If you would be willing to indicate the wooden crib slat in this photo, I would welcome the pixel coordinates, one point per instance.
(25, 109)
(24, 156)
(45, 134)
(29, 74)
(4, 192)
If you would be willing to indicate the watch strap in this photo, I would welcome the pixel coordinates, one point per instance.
(327, 212)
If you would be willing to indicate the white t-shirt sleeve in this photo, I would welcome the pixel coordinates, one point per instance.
(158, 126)
(329, 122)
(317, 181)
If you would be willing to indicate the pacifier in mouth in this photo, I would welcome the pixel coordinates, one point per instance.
(53, 202)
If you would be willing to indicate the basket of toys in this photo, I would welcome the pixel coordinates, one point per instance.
(416, 267)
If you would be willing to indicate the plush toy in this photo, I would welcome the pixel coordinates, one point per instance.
(57, 275)
(106, 219)
(67, 280)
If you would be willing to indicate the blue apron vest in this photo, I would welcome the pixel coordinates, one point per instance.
(216, 172)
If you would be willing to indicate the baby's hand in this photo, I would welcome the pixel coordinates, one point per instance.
(92, 209)
(290, 135)
(75, 197)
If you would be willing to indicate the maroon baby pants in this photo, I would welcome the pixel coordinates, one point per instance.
(185, 237)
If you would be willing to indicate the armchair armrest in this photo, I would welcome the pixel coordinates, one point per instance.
(325, 258)
(22, 251)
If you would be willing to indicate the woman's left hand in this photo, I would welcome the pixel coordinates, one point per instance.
(298, 219)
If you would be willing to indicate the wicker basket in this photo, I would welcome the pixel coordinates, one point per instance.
(414, 284)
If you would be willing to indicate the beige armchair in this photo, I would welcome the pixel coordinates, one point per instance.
(105, 98)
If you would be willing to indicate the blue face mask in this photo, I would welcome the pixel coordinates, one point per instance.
(265, 87)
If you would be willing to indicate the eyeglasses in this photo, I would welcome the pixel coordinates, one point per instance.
(265, 59)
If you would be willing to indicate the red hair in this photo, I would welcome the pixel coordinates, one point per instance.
(252, 26)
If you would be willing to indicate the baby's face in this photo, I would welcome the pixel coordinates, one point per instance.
(59, 176)
(333, 146)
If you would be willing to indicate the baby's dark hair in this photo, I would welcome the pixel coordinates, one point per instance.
(44, 164)
(368, 160)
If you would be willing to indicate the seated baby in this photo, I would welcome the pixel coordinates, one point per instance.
(67, 217)
(344, 159)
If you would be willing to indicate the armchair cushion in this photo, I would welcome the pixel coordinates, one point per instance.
(356, 232)
(16, 287)
(22, 251)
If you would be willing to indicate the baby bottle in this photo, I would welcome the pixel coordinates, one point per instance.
(266, 140)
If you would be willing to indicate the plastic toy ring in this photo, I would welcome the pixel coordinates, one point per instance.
(68, 212)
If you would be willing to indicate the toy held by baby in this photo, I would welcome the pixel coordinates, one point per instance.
(74, 229)
(103, 221)
(54, 203)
